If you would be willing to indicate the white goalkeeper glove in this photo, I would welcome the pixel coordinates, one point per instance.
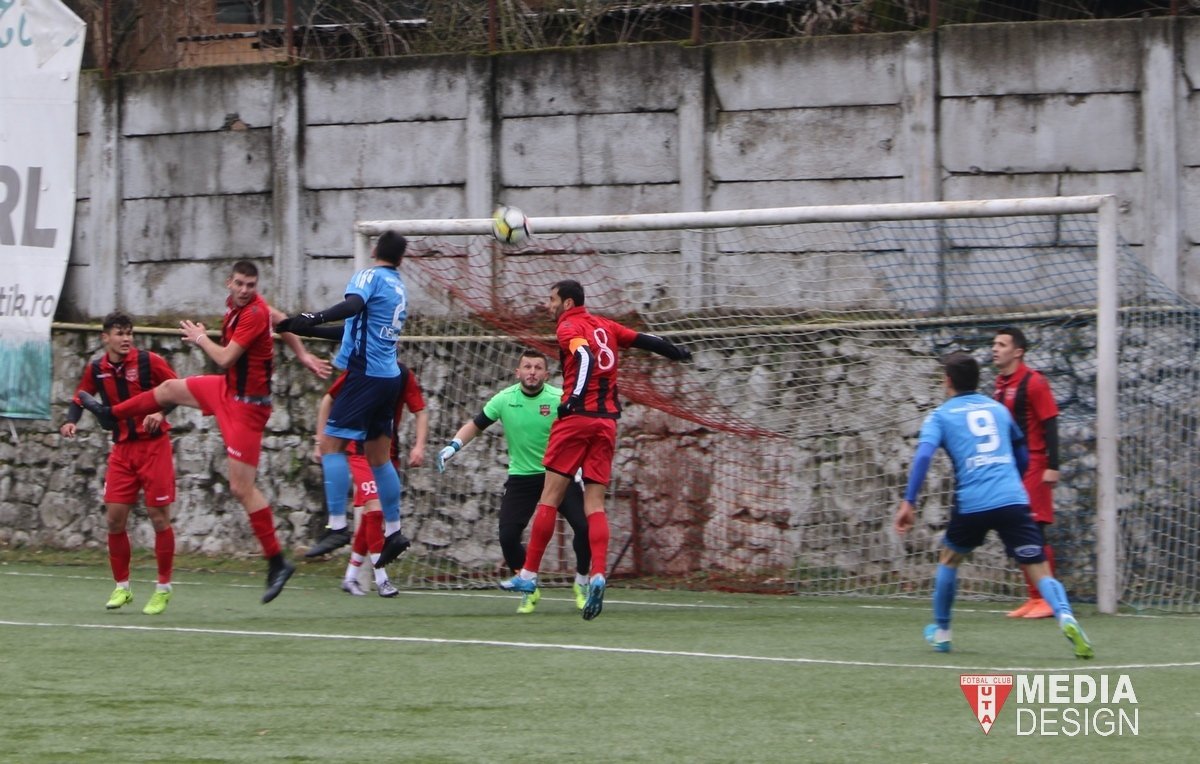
(446, 453)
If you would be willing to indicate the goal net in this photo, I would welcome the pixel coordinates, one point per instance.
(775, 460)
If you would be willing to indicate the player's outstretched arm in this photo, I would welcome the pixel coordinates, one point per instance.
(665, 348)
(352, 305)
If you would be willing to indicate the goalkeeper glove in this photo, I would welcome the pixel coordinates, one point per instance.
(446, 453)
(568, 406)
(683, 353)
(300, 321)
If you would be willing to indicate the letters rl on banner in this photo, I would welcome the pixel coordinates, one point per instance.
(41, 47)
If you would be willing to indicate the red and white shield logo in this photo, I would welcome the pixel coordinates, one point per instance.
(986, 694)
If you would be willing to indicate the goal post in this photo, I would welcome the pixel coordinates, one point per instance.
(816, 332)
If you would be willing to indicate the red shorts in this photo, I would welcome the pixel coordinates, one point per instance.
(364, 480)
(1041, 499)
(146, 465)
(242, 424)
(582, 441)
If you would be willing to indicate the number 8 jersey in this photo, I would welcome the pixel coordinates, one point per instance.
(593, 379)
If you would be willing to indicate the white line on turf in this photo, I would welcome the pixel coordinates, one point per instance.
(590, 648)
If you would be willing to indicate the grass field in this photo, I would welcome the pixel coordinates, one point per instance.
(318, 676)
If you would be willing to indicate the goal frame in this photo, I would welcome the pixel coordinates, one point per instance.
(1104, 206)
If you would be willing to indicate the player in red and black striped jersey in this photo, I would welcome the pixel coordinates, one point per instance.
(141, 459)
(584, 435)
(240, 398)
(1027, 396)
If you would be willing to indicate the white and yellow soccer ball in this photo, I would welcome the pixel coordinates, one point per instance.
(510, 226)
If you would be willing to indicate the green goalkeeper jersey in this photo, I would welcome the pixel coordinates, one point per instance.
(526, 421)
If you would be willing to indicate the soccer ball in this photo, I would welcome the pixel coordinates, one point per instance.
(510, 226)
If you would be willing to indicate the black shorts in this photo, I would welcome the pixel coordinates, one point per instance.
(1014, 525)
(365, 408)
(521, 494)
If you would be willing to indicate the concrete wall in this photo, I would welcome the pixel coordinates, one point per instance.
(183, 171)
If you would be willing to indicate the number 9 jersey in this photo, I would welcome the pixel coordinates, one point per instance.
(978, 434)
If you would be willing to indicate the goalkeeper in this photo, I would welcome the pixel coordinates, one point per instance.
(526, 410)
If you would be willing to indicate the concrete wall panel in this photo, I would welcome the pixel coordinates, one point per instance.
(191, 228)
(595, 149)
(387, 90)
(809, 72)
(328, 216)
(190, 164)
(592, 200)
(590, 81)
(386, 155)
(1066, 58)
(1126, 186)
(1189, 129)
(1189, 40)
(804, 144)
(198, 100)
(803, 193)
(1040, 133)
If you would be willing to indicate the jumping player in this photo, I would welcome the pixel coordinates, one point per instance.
(526, 411)
(240, 399)
(584, 435)
(375, 308)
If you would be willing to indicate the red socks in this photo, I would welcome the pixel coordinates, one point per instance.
(540, 534)
(368, 536)
(118, 555)
(164, 553)
(598, 541)
(373, 527)
(262, 522)
(138, 406)
(359, 544)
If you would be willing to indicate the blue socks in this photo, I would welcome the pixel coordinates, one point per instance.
(387, 482)
(1054, 593)
(944, 588)
(336, 469)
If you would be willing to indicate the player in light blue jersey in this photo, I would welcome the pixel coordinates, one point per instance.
(370, 336)
(989, 455)
(375, 308)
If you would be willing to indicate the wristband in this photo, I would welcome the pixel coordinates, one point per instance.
(456, 444)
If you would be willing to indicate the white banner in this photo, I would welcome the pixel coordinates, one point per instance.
(41, 46)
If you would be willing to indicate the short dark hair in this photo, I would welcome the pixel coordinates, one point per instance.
(117, 318)
(1018, 336)
(570, 289)
(532, 353)
(246, 268)
(390, 247)
(962, 369)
